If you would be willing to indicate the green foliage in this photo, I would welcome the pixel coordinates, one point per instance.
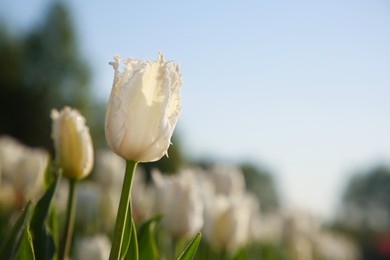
(262, 184)
(127, 233)
(364, 211)
(44, 246)
(14, 238)
(146, 239)
(26, 250)
(133, 253)
(190, 251)
(41, 70)
(240, 255)
(366, 200)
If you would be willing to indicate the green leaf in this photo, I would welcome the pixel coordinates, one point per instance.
(48, 177)
(126, 234)
(191, 249)
(52, 224)
(44, 246)
(26, 249)
(14, 238)
(132, 253)
(240, 255)
(146, 241)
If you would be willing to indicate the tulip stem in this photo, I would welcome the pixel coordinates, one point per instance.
(69, 224)
(124, 210)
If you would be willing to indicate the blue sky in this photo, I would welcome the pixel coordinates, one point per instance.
(301, 87)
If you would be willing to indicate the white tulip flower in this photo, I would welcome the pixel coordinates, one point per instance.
(22, 170)
(143, 108)
(108, 171)
(179, 200)
(92, 248)
(72, 143)
(227, 222)
(143, 198)
(228, 180)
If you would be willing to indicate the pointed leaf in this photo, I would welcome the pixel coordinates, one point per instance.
(26, 249)
(191, 249)
(146, 241)
(49, 177)
(132, 253)
(14, 238)
(44, 246)
(52, 224)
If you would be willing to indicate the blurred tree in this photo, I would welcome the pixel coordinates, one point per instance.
(365, 212)
(366, 201)
(41, 71)
(261, 183)
(258, 181)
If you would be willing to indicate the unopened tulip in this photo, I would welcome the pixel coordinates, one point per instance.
(227, 222)
(22, 169)
(72, 142)
(179, 200)
(143, 108)
(92, 248)
(108, 170)
(228, 180)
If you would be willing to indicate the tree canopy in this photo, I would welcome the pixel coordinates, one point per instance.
(40, 71)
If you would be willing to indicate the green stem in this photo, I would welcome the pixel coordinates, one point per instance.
(124, 210)
(69, 224)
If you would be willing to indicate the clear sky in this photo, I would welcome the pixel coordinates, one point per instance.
(301, 87)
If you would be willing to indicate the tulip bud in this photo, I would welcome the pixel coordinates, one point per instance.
(143, 108)
(72, 143)
(22, 168)
(95, 247)
(179, 200)
(227, 222)
(228, 180)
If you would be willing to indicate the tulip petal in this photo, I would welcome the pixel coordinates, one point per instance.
(143, 108)
(73, 143)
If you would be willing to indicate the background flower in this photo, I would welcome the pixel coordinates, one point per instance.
(72, 142)
(22, 171)
(179, 201)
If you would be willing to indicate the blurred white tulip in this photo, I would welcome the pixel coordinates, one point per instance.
(267, 228)
(22, 168)
(331, 246)
(11, 152)
(96, 247)
(299, 230)
(61, 196)
(89, 197)
(7, 197)
(227, 222)
(228, 180)
(109, 170)
(143, 198)
(178, 199)
(108, 174)
(143, 108)
(108, 210)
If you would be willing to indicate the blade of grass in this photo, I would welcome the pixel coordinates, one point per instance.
(190, 251)
(15, 236)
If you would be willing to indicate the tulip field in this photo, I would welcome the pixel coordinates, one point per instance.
(87, 204)
(179, 130)
(212, 201)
